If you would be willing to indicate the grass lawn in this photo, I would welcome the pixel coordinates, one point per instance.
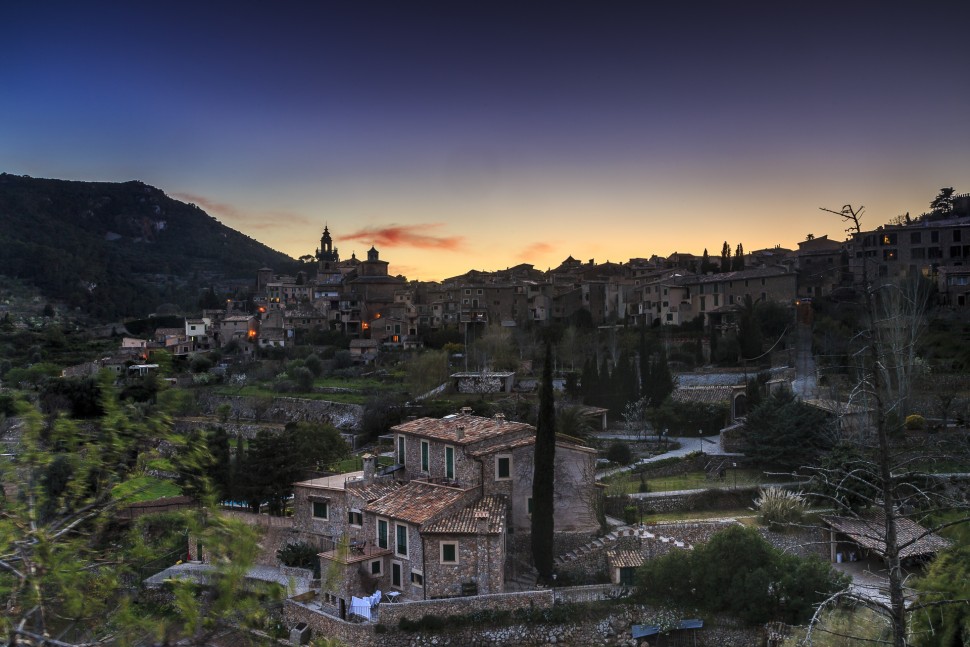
(689, 481)
(356, 464)
(744, 515)
(145, 488)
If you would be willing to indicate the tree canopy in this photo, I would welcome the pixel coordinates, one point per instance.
(740, 573)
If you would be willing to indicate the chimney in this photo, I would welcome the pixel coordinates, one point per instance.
(500, 417)
(370, 467)
(481, 522)
(466, 411)
(460, 432)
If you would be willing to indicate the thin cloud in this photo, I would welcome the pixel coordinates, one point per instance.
(251, 219)
(408, 236)
(535, 249)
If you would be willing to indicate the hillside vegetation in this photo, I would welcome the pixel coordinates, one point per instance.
(120, 249)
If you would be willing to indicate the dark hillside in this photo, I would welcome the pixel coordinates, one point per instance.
(120, 250)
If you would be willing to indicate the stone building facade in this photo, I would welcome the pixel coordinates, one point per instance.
(437, 523)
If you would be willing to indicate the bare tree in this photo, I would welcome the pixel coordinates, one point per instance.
(878, 479)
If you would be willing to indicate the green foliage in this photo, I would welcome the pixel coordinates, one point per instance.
(110, 278)
(686, 419)
(543, 483)
(274, 462)
(943, 615)
(631, 514)
(915, 422)
(300, 555)
(786, 433)
(739, 573)
(60, 548)
(844, 627)
(619, 452)
(426, 370)
(779, 507)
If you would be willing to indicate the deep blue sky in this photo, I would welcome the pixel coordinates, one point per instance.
(483, 134)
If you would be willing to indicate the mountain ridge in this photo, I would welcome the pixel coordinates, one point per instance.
(120, 249)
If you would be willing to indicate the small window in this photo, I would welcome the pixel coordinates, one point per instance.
(382, 533)
(376, 567)
(401, 547)
(355, 518)
(425, 456)
(449, 552)
(417, 578)
(400, 450)
(449, 462)
(503, 467)
(320, 510)
(528, 505)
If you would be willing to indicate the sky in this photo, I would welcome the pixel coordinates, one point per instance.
(479, 135)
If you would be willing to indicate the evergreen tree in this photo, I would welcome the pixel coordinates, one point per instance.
(705, 262)
(644, 359)
(590, 382)
(543, 479)
(738, 263)
(725, 257)
(661, 379)
(221, 472)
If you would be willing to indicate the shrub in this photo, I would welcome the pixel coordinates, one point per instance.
(779, 507)
(300, 555)
(619, 453)
(915, 422)
(631, 515)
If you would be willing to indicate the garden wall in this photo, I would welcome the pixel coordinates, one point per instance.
(585, 630)
(283, 409)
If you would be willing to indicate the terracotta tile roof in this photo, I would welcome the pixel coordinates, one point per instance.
(475, 428)
(617, 558)
(416, 502)
(868, 531)
(836, 407)
(504, 447)
(465, 522)
(370, 492)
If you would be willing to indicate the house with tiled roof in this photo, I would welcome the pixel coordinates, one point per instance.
(438, 521)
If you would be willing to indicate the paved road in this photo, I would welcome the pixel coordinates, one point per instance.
(805, 385)
(706, 444)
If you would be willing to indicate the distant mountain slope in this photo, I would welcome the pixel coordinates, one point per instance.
(118, 250)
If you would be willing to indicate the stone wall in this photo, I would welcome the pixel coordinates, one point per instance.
(612, 630)
(233, 428)
(391, 614)
(684, 501)
(283, 410)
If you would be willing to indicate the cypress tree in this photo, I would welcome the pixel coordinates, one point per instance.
(543, 485)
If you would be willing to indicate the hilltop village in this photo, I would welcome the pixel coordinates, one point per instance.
(379, 436)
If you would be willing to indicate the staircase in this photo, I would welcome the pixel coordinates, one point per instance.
(607, 541)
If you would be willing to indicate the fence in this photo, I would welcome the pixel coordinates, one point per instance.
(591, 593)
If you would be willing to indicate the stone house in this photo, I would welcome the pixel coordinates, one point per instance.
(437, 523)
